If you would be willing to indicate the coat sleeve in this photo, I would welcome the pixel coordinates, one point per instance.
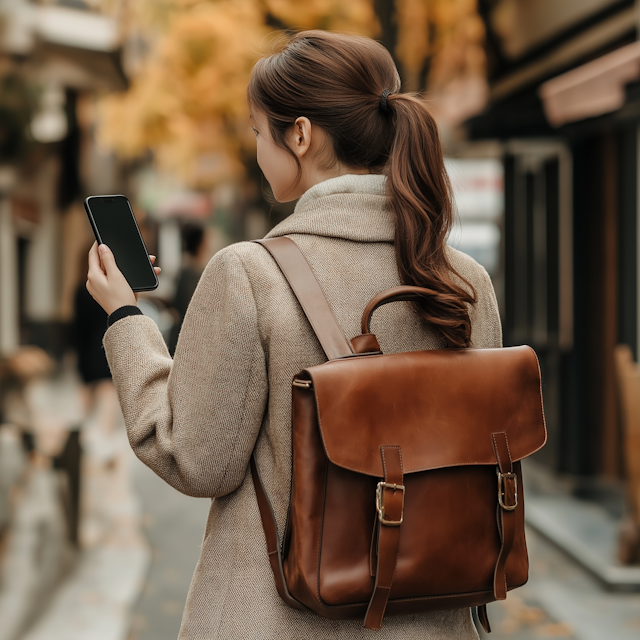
(194, 420)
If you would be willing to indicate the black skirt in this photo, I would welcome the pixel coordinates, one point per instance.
(89, 328)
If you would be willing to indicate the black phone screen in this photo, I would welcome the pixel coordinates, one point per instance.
(115, 225)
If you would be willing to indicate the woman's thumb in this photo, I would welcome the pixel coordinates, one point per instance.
(106, 257)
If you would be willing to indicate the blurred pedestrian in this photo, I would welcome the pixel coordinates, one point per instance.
(98, 392)
(374, 209)
(188, 278)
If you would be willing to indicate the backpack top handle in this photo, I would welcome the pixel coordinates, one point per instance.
(404, 293)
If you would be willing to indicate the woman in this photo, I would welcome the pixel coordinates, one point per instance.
(374, 210)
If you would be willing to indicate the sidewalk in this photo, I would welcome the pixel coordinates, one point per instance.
(37, 554)
(92, 597)
(96, 599)
(174, 524)
(563, 600)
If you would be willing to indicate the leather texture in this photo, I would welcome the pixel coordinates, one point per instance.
(271, 535)
(406, 489)
(357, 399)
(365, 343)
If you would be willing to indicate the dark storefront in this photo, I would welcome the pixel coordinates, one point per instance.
(570, 226)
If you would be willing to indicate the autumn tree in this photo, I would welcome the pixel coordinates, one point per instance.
(187, 101)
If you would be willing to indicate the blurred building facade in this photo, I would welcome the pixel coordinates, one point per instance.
(564, 109)
(55, 57)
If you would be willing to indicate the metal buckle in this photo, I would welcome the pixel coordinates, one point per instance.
(380, 502)
(501, 492)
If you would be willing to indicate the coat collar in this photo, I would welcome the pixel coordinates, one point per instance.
(352, 207)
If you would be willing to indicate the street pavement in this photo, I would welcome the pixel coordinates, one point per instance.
(95, 600)
(563, 600)
(174, 525)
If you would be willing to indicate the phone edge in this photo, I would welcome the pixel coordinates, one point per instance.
(92, 222)
(153, 271)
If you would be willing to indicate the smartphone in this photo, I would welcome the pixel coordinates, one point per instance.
(114, 224)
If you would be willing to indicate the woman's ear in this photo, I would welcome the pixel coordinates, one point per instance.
(300, 139)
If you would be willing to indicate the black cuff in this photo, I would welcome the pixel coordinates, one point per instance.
(123, 312)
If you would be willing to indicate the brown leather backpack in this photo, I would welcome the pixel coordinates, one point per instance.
(407, 491)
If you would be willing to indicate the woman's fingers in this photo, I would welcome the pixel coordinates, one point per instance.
(105, 282)
(95, 266)
(153, 261)
(107, 259)
(96, 276)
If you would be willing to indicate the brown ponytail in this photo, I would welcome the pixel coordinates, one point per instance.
(336, 81)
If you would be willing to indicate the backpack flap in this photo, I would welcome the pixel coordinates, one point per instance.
(440, 407)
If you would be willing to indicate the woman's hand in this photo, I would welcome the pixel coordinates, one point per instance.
(105, 281)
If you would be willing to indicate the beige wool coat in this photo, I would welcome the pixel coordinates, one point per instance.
(196, 419)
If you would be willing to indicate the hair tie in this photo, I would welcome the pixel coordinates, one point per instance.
(383, 100)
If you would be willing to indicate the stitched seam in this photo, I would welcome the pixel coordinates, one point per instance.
(253, 295)
(496, 449)
(384, 465)
(443, 466)
(508, 453)
(544, 421)
(226, 595)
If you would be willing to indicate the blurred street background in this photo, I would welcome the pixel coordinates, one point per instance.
(538, 104)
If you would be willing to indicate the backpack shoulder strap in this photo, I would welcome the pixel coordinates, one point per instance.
(306, 288)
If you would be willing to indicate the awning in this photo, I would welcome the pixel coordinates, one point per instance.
(75, 48)
(593, 89)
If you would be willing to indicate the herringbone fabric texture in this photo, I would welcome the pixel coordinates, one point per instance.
(196, 419)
